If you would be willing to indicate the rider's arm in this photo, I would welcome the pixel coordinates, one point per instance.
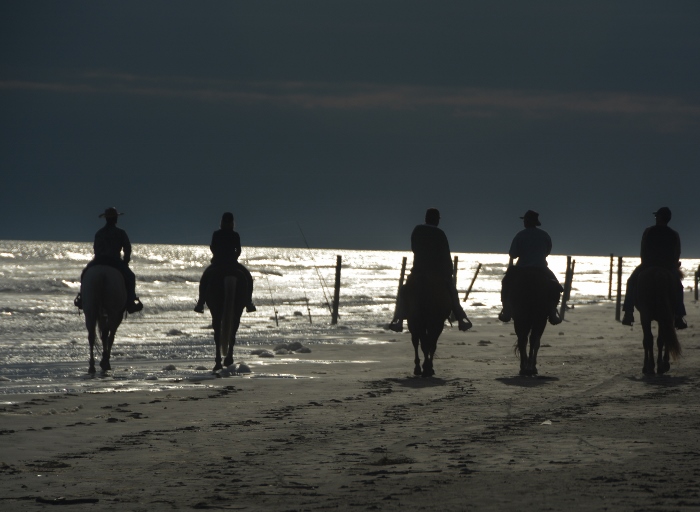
(126, 247)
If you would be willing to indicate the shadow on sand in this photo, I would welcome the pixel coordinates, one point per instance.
(527, 382)
(419, 382)
(662, 381)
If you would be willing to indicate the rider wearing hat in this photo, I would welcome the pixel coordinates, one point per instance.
(530, 247)
(431, 256)
(226, 248)
(110, 242)
(661, 247)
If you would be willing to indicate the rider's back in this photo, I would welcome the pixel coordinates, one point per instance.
(109, 243)
(431, 251)
(661, 247)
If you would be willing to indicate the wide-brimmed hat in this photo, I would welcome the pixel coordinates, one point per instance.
(532, 216)
(663, 213)
(111, 213)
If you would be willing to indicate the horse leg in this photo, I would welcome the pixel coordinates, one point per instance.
(535, 338)
(217, 341)
(522, 334)
(415, 339)
(428, 344)
(662, 363)
(428, 370)
(648, 342)
(91, 340)
(228, 361)
(108, 340)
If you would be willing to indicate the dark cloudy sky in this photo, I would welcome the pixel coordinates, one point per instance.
(350, 118)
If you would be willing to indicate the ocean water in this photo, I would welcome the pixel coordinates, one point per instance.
(43, 341)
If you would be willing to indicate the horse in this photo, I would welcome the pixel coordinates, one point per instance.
(655, 287)
(428, 305)
(530, 297)
(104, 302)
(226, 297)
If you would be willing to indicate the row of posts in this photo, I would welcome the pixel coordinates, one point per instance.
(566, 296)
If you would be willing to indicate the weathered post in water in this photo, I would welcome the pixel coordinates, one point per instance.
(611, 274)
(619, 288)
(469, 290)
(567, 286)
(697, 278)
(398, 293)
(454, 280)
(336, 294)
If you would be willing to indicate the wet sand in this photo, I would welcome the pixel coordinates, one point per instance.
(589, 433)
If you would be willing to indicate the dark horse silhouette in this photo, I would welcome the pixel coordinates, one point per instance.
(427, 300)
(226, 296)
(655, 287)
(104, 302)
(530, 297)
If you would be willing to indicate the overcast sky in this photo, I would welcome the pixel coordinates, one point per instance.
(350, 118)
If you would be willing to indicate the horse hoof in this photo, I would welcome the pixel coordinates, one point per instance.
(648, 371)
(417, 371)
(428, 373)
(217, 367)
(92, 370)
(228, 361)
(663, 368)
(105, 366)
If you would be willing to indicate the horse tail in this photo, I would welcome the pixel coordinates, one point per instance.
(228, 314)
(667, 329)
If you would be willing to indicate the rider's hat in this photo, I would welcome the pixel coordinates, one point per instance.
(111, 213)
(532, 216)
(663, 213)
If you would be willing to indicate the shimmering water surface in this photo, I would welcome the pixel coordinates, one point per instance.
(43, 342)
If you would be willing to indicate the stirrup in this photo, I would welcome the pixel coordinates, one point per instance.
(250, 308)
(199, 307)
(465, 324)
(78, 301)
(504, 317)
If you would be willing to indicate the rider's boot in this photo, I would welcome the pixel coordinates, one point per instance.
(680, 323)
(504, 315)
(250, 308)
(199, 307)
(134, 305)
(78, 301)
(465, 324)
(628, 318)
(554, 317)
(396, 325)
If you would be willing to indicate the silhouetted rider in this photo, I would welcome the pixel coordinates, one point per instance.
(431, 257)
(530, 247)
(226, 248)
(661, 247)
(110, 242)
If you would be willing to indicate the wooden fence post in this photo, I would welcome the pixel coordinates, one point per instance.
(469, 290)
(697, 278)
(398, 293)
(454, 280)
(336, 295)
(611, 275)
(567, 286)
(619, 288)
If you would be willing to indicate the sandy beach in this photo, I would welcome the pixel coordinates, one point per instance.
(590, 433)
